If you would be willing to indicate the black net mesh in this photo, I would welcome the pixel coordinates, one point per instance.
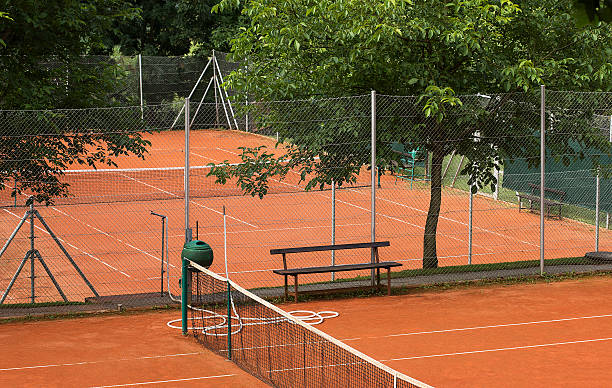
(275, 347)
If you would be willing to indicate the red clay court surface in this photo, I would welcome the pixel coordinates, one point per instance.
(526, 335)
(117, 244)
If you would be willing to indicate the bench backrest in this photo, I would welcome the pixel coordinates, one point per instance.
(334, 247)
(535, 190)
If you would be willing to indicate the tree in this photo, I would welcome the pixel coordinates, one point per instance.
(43, 68)
(439, 52)
(175, 27)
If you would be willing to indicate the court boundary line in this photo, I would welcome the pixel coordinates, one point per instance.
(499, 349)
(163, 381)
(100, 361)
(483, 327)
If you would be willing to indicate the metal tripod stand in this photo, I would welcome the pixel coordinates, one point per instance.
(33, 254)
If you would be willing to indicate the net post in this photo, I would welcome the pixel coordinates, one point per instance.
(229, 321)
(184, 292)
(542, 171)
(373, 182)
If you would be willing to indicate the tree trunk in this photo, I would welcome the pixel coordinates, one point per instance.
(430, 256)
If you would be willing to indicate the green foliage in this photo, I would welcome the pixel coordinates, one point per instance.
(43, 68)
(175, 27)
(445, 53)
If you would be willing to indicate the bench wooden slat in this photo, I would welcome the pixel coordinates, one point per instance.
(336, 268)
(335, 247)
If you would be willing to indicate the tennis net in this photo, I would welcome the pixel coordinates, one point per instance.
(273, 345)
(145, 184)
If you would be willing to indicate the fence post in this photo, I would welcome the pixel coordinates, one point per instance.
(333, 231)
(542, 171)
(373, 182)
(597, 212)
(470, 222)
(140, 86)
(186, 173)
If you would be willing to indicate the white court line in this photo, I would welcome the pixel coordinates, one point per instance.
(100, 361)
(74, 247)
(384, 215)
(499, 349)
(485, 327)
(191, 201)
(165, 381)
(109, 235)
(459, 222)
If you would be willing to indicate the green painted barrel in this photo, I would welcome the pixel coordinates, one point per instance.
(198, 252)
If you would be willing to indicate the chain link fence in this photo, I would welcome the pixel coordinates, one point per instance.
(457, 196)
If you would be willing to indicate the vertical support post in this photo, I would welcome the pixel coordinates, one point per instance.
(215, 86)
(31, 253)
(184, 291)
(333, 231)
(496, 193)
(373, 181)
(186, 182)
(470, 220)
(229, 321)
(542, 171)
(246, 116)
(161, 292)
(140, 85)
(15, 192)
(597, 188)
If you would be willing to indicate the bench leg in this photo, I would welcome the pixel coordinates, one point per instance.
(378, 277)
(286, 289)
(295, 280)
(389, 281)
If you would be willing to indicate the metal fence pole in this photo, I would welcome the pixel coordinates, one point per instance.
(597, 212)
(470, 220)
(333, 231)
(140, 85)
(373, 182)
(186, 173)
(542, 171)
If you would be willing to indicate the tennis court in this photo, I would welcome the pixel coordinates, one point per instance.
(543, 334)
(109, 230)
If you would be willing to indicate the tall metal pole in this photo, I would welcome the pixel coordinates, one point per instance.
(471, 208)
(542, 171)
(186, 174)
(597, 213)
(333, 231)
(140, 85)
(373, 182)
(216, 85)
(32, 275)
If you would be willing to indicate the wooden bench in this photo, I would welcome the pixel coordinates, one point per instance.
(549, 204)
(376, 265)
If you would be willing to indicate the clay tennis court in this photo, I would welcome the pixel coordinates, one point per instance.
(543, 334)
(116, 242)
